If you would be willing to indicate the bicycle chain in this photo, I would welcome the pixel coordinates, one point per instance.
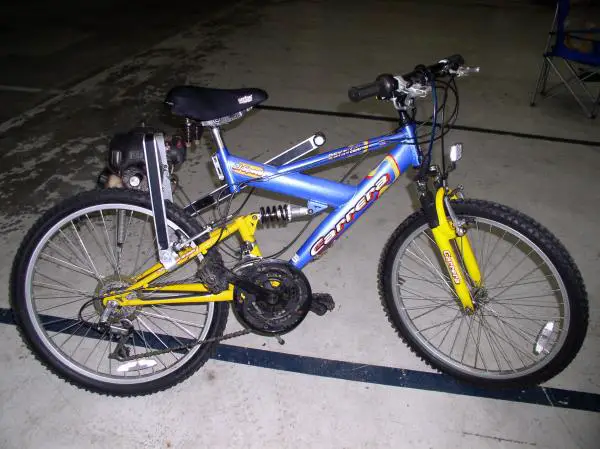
(124, 338)
(128, 358)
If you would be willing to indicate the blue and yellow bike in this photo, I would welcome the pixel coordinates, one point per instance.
(121, 291)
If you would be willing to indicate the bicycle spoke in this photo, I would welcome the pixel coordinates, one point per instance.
(515, 266)
(435, 271)
(518, 351)
(497, 295)
(516, 283)
(72, 324)
(142, 337)
(494, 340)
(477, 351)
(81, 324)
(470, 325)
(456, 317)
(174, 320)
(43, 298)
(491, 252)
(60, 285)
(66, 264)
(521, 315)
(432, 265)
(531, 338)
(419, 295)
(60, 305)
(425, 307)
(433, 309)
(181, 310)
(506, 254)
(176, 323)
(80, 341)
(524, 304)
(422, 279)
(462, 320)
(72, 248)
(425, 298)
(160, 328)
(85, 250)
(100, 340)
(446, 328)
(101, 242)
(143, 323)
(435, 325)
(101, 358)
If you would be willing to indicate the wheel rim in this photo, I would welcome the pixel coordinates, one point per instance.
(76, 258)
(509, 335)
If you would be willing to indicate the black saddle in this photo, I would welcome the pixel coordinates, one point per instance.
(205, 104)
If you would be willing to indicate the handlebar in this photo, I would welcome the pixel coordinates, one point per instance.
(385, 85)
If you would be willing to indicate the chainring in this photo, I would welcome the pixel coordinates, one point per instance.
(280, 312)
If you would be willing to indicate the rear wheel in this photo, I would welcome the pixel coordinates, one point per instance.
(83, 248)
(531, 313)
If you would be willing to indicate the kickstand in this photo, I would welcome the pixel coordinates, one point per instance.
(280, 340)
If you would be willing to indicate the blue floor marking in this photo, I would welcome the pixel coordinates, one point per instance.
(395, 377)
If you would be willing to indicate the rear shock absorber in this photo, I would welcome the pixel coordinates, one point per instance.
(282, 213)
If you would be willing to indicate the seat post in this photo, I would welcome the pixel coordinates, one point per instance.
(222, 158)
(216, 132)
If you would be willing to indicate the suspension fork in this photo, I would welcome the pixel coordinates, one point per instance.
(450, 237)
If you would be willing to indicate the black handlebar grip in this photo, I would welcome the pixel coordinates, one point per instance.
(359, 93)
(383, 87)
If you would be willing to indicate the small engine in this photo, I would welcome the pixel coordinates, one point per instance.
(126, 163)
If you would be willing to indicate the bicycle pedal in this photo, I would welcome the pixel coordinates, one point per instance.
(321, 303)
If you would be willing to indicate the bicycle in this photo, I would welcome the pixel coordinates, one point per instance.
(123, 292)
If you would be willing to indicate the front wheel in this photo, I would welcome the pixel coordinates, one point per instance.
(531, 309)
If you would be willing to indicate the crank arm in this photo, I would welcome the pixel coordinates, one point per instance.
(250, 287)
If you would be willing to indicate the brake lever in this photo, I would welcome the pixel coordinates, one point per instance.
(463, 71)
(413, 90)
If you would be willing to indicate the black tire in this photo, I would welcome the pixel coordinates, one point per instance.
(41, 346)
(549, 245)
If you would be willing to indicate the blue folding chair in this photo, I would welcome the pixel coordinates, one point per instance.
(588, 60)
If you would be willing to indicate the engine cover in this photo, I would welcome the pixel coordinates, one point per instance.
(126, 150)
(275, 314)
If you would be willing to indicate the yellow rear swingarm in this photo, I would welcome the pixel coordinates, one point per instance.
(245, 226)
(444, 235)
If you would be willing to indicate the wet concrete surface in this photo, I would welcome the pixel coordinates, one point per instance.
(46, 47)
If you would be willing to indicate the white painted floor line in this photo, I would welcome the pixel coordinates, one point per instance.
(29, 90)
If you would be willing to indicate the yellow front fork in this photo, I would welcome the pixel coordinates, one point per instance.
(444, 235)
(245, 226)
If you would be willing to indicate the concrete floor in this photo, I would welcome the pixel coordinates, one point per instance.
(306, 54)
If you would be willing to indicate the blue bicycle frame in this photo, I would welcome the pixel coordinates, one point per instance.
(348, 202)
